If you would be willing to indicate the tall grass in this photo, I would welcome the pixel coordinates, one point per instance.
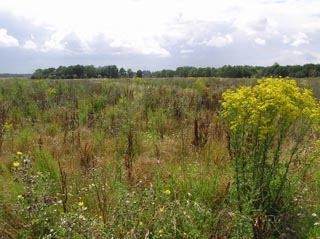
(131, 159)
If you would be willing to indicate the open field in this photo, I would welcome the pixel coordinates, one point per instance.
(137, 158)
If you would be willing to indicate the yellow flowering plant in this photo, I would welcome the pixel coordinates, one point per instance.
(16, 164)
(19, 153)
(266, 126)
(52, 91)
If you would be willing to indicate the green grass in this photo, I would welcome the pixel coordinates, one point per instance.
(119, 146)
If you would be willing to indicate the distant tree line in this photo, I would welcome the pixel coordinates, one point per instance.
(80, 72)
(227, 71)
(8, 75)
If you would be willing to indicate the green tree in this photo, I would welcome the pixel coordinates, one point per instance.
(90, 71)
(61, 72)
(78, 71)
(130, 73)
(139, 73)
(38, 74)
(122, 72)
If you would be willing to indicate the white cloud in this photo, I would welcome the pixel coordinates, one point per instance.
(56, 42)
(141, 46)
(296, 40)
(298, 53)
(140, 29)
(260, 41)
(255, 25)
(220, 41)
(7, 40)
(31, 45)
(288, 57)
(285, 39)
(186, 51)
(152, 28)
(148, 26)
(299, 39)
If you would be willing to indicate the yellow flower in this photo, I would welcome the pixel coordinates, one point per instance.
(19, 196)
(167, 192)
(19, 153)
(16, 164)
(140, 223)
(33, 221)
(52, 91)
(8, 125)
(161, 209)
(184, 234)
(80, 204)
(160, 231)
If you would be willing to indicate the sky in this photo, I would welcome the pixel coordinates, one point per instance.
(154, 35)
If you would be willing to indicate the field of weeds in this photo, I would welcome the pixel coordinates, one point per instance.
(156, 158)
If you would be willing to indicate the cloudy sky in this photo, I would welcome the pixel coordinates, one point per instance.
(157, 34)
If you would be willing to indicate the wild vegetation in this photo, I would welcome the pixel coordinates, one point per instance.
(159, 158)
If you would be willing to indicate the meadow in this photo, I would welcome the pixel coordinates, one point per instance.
(159, 158)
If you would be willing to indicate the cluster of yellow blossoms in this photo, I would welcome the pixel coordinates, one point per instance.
(16, 164)
(267, 105)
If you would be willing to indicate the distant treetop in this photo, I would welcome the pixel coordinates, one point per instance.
(227, 71)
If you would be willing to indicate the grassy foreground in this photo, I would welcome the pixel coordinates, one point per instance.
(138, 158)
